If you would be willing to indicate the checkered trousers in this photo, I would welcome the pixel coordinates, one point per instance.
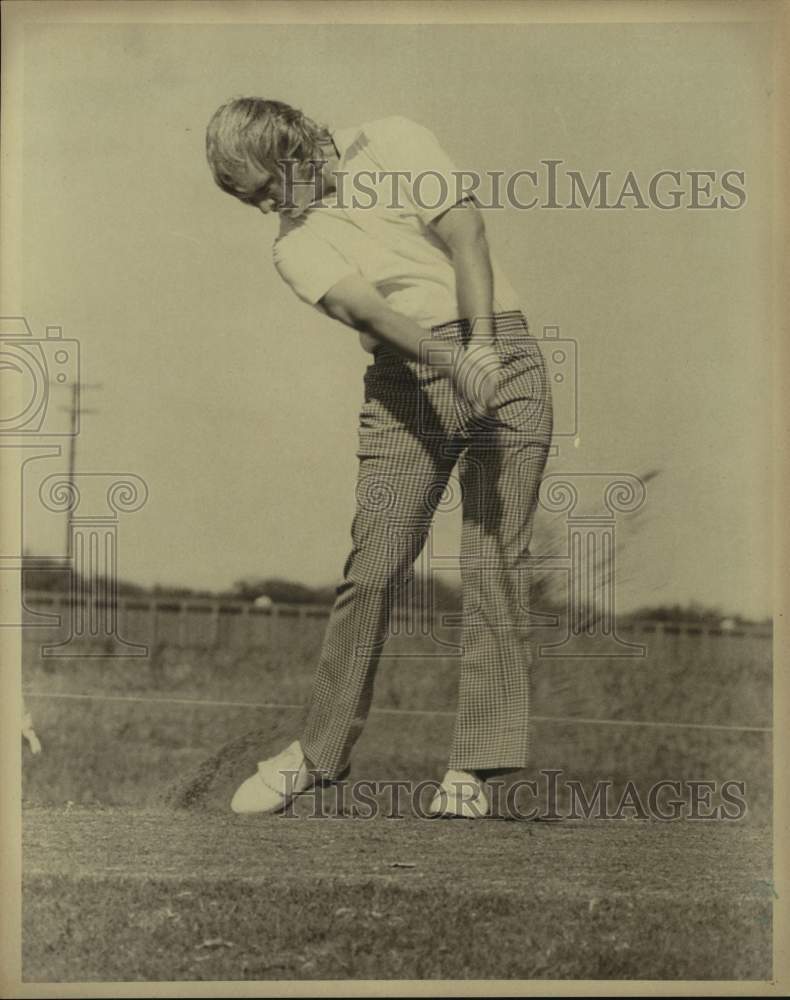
(414, 430)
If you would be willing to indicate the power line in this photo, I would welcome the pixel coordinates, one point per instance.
(393, 711)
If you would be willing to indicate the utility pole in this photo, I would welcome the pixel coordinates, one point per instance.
(75, 412)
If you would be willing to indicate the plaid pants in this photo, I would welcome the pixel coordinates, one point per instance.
(414, 430)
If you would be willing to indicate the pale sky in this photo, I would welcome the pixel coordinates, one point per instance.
(237, 403)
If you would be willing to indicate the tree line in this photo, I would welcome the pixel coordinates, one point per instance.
(445, 596)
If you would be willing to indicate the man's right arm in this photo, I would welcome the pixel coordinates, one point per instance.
(356, 302)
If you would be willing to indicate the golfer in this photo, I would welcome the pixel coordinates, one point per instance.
(375, 232)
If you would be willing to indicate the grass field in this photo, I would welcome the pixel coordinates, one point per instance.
(128, 894)
(135, 870)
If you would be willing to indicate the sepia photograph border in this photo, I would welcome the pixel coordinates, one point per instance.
(16, 15)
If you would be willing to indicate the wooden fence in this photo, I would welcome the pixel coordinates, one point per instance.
(193, 621)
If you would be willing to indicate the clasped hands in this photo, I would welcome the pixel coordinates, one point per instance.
(476, 374)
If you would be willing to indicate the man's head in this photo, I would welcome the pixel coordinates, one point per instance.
(264, 153)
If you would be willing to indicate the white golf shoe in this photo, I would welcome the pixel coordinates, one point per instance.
(460, 794)
(275, 783)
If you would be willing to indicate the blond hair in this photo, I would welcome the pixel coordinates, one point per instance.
(251, 130)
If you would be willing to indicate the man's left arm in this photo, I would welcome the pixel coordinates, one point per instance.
(463, 231)
(412, 150)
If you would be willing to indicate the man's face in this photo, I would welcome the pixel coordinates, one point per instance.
(287, 190)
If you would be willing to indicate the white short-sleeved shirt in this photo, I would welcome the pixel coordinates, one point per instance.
(377, 225)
